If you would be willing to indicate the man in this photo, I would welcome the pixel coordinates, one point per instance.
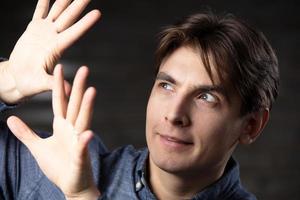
(216, 81)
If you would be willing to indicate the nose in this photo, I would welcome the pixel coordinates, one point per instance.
(178, 113)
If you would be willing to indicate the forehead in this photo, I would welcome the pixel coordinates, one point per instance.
(185, 65)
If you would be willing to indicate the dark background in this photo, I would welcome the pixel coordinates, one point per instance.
(119, 51)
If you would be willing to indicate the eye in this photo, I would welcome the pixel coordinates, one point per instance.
(165, 86)
(208, 98)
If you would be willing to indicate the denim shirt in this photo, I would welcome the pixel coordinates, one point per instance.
(119, 175)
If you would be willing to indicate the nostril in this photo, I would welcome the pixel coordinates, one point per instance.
(178, 120)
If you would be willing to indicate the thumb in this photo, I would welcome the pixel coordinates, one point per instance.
(45, 83)
(22, 132)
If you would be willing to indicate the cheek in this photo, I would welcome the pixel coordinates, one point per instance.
(154, 114)
(151, 120)
(155, 107)
(216, 131)
(151, 113)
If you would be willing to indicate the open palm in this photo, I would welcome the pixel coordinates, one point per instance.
(34, 56)
(63, 157)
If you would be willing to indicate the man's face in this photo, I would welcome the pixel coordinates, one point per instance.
(192, 124)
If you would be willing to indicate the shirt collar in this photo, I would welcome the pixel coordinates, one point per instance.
(141, 170)
(223, 187)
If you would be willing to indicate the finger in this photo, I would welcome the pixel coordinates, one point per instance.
(81, 157)
(82, 162)
(23, 132)
(48, 81)
(41, 9)
(73, 33)
(82, 145)
(58, 93)
(86, 110)
(70, 14)
(77, 94)
(58, 7)
(67, 88)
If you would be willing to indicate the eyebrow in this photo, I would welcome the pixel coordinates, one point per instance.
(165, 77)
(203, 88)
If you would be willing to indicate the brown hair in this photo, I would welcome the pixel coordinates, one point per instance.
(242, 55)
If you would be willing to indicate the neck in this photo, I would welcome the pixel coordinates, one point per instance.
(167, 185)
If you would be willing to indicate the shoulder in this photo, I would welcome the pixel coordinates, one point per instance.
(121, 157)
(239, 192)
(96, 146)
(242, 194)
(229, 186)
(124, 161)
(119, 171)
(124, 155)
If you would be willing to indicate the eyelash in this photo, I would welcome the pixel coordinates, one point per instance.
(216, 99)
(163, 85)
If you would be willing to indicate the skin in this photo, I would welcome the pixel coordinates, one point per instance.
(30, 66)
(192, 126)
(69, 167)
(31, 70)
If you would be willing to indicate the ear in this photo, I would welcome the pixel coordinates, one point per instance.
(254, 124)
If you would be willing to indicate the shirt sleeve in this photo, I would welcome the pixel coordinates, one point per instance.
(3, 59)
(4, 107)
(9, 157)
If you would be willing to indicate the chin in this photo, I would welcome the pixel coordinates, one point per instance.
(169, 164)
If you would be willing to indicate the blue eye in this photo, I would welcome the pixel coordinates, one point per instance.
(208, 97)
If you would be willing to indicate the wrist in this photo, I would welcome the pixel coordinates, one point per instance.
(8, 91)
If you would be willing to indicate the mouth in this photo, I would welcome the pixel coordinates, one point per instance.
(174, 139)
(174, 142)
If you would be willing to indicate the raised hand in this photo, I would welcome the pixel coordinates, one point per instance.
(64, 157)
(29, 68)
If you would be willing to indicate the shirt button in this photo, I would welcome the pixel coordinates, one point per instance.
(138, 186)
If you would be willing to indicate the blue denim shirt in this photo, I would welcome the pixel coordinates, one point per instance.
(120, 174)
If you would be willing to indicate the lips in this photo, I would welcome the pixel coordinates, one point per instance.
(175, 140)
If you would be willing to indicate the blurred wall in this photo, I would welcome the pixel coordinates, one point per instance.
(119, 51)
